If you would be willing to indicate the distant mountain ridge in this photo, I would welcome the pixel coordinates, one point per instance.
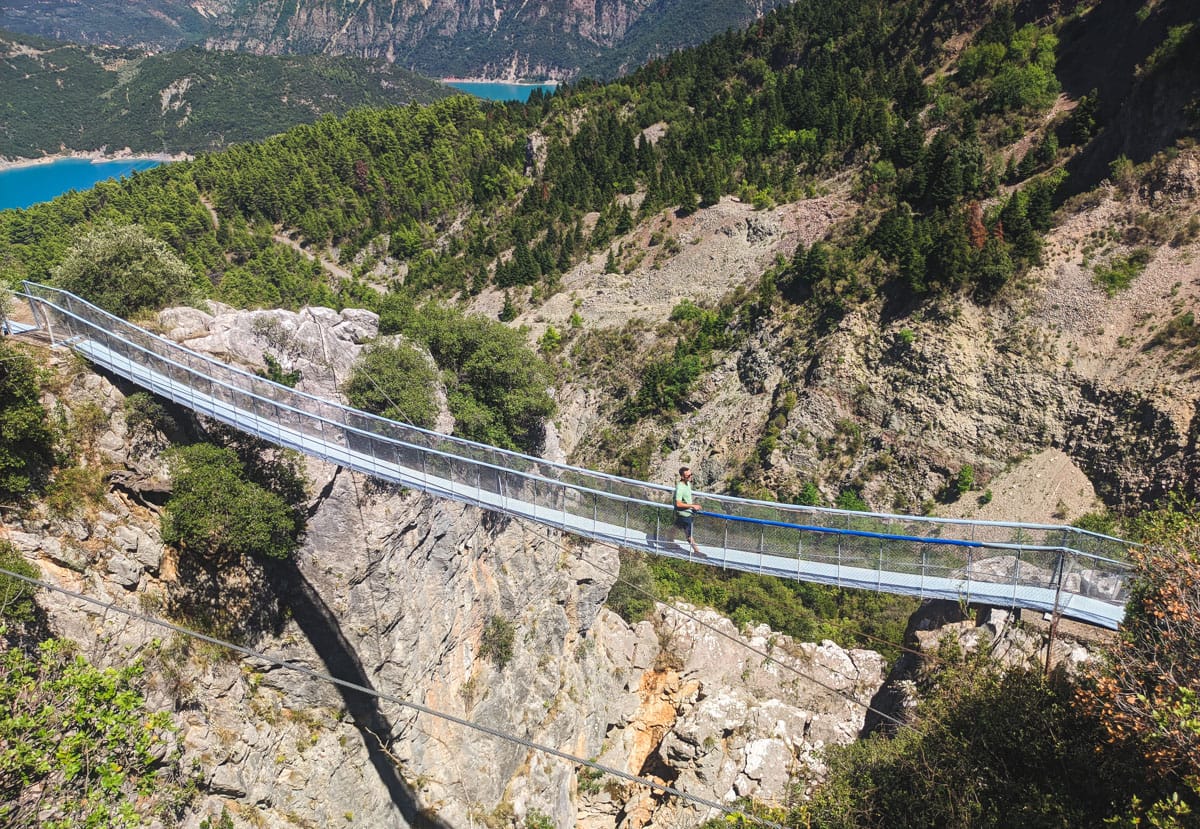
(59, 96)
(557, 39)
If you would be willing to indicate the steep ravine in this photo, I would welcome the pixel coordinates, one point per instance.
(393, 589)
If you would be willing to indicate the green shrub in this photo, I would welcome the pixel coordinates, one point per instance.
(1120, 273)
(224, 821)
(496, 385)
(848, 499)
(396, 382)
(1171, 47)
(809, 495)
(276, 374)
(964, 482)
(497, 641)
(216, 512)
(124, 270)
(16, 596)
(987, 747)
(666, 383)
(1102, 522)
(81, 737)
(146, 414)
(535, 819)
(26, 441)
(632, 597)
(74, 488)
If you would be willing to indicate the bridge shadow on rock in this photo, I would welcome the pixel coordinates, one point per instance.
(887, 706)
(321, 627)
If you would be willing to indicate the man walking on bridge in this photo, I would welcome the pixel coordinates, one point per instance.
(685, 509)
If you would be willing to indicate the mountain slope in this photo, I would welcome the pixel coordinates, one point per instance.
(857, 255)
(58, 96)
(439, 38)
(950, 151)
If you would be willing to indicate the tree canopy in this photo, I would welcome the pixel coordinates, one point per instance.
(26, 440)
(123, 269)
(216, 511)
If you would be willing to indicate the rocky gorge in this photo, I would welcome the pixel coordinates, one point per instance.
(393, 590)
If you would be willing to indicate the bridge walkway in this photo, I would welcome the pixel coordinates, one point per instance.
(1078, 574)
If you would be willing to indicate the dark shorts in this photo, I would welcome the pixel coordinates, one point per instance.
(684, 522)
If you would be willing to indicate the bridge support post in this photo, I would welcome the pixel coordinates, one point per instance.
(1059, 569)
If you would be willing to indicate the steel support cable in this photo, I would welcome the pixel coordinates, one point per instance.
(499, 734)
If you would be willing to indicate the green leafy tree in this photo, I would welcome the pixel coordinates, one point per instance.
(79, 748)
(993, 267)
(16, 595)
(496, 384)
(123, 269)
(394, 381)
(215, 510)
(26, 441)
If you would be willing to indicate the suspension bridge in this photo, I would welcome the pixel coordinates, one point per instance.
(1047, 568)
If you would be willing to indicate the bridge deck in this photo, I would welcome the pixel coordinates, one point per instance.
(1013, 574)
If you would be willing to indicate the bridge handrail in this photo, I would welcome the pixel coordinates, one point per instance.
(38, 293)
(357, 412)
(916, 539)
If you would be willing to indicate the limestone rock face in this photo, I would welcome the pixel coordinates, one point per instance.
(399, 592)
(721, 714)
(320, 343)
(506, 42)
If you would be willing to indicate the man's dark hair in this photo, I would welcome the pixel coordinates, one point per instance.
(683, 469)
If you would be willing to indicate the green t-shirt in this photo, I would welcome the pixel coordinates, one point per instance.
(683, 494)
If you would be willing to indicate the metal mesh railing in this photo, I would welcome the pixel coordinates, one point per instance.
(1048, 567)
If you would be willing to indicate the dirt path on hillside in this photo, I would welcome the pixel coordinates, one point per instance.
(331, 268)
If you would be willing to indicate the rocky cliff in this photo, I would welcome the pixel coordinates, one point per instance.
(1097, 392)
(394, 591)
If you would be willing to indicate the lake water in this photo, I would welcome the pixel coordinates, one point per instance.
(501, 91)
(23, 186)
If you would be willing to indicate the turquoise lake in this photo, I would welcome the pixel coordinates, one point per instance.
(501, 91)
(23, 186)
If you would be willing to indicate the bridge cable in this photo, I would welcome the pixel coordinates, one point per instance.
(416, 706)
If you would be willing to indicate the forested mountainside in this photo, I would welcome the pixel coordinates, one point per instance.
(550, 40)
(923, 256)
(57, 96)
